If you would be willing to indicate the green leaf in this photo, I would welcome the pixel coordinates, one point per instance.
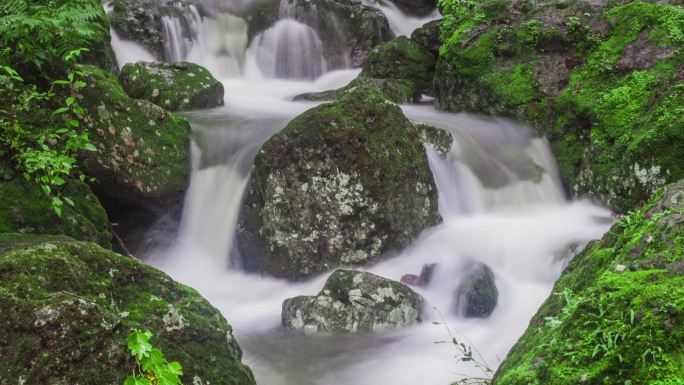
(74, 123)
(131, 380)
(89, 147)
(69, 201)
(139, 345)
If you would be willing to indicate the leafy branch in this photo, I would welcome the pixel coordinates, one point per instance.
(151, 368)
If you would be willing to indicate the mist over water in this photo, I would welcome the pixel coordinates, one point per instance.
(525, 231)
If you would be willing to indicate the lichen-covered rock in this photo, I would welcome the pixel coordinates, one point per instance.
(440, 139)
(24, 208)
(397, 90)
(67, 307)
(142, 22)
(343, 183)
(603, 81)
(416, 7)
(617, 311)
(172, 86)
(402, 58)
(476, 295)
(354, 301)
(143, 151)
(348, 29)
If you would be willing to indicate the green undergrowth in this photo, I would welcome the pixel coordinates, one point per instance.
(616, 313)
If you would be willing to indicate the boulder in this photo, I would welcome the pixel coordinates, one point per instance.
(343, 183)
(429, 36)
(24, 208)
(476, 295)
(348, 29)
(420, 8)
(174, 87)
(440, 139)
(143, 151)
(402, 58)
(397, 90)
(422, 280)
(67, 307)
(353, 301)
(616, 311)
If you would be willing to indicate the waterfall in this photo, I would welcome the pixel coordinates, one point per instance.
(499, 194)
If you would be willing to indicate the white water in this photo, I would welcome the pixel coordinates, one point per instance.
(523, 231)
(400, 23)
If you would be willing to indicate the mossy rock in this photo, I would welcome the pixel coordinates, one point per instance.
(143, 151)
(172, 86)
(476, 296)
(402, 58)
(603, 82)
(67, 307)
(617, 311)
(429, 36)
(343, 183)
(24, 208)
(440, 139)
(397, 90)
(353, 301)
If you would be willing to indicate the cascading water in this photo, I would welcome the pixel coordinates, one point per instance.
(179, 33)
(400, 23)
(495, 212)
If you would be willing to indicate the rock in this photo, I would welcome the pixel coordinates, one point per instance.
(477, 295)
(440, 139)
(422, 280)
(143, 151)
(348, 29)
(429, 36)
(642, 300)
(24, 208)
(583, 78)
(420, 8)
(174, 87)
(397, 90)
(405, 59)
(343, 183)
(142, 22)
(67, 307)
(353, 301)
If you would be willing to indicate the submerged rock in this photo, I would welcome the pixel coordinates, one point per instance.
(24, 208)
(422, 280)
(354, 301)
(343, 183)
(616, 311)
(476, 295)
(172, 86)
(143, 152)
(67, 307)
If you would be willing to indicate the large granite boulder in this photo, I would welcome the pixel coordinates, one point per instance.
(67, 307)
(354, 301)
(172, 86)
(617, 311)
(143, 151)
(343, 183)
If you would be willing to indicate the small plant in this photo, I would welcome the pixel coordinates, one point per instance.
(151, 368)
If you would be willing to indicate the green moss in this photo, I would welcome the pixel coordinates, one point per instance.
(67, 307)
(143, 151)
(617, 310)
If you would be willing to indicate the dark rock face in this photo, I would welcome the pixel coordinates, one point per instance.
(353, 301)
(141, 21)
(343, 183)
(348, 29)
(24, 208)
(429, 36)
(422, 280)
(602, 92)
(67, 307)
(143, 150)
(477, 294)
(440, 139)
(416, 7)
(174, 87)
(628, 285)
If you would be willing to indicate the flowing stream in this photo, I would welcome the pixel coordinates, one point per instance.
(525, 231)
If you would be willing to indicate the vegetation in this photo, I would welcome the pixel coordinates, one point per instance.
(151, 367)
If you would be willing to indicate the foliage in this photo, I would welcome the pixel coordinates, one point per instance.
(151, 367)
(40, 32)
(49, 156)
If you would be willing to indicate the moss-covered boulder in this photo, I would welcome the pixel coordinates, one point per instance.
(440, 139)
(397, 90)
(402, 58)
(343, 183)
(67, 307)
(603, 82)
(476, 295)
(354, 301)
(24, 208)
(617, 312)
(429, 36)
(173, 86)
(143, 151)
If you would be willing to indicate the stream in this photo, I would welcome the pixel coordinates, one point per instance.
(525, 231)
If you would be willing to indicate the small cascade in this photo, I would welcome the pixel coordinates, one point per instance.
(400, 23)
(221, 45)
(180, 32)
(290, 50)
